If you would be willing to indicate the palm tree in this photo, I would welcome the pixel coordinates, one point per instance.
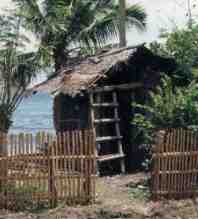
(16, 69)
(190, 20)
(122, 28)
(64, 24)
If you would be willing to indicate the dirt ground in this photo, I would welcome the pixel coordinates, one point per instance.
(119, 197)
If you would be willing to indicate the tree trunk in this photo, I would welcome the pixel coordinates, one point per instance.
(5, 124)
(60, 58)
(190, 20)
(3, 163)
(122, 24)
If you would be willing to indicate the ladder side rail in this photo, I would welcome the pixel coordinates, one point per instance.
(117, 126)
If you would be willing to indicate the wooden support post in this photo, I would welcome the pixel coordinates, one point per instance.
(51, 180)
(91, 97)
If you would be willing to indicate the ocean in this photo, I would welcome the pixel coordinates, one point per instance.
(34, 114)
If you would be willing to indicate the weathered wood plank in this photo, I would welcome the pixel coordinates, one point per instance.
(116, 87)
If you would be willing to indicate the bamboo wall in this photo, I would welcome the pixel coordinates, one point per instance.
(45, 169)
(175, 165)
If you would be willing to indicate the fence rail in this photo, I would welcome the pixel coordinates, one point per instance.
(45, 169)
(175, 165)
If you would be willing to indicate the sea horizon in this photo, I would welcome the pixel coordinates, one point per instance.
(34, 114)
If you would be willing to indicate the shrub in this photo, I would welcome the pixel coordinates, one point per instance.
(168, 107)
(181, 44)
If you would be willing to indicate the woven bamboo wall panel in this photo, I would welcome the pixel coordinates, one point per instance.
(47, 169)
(175, 165)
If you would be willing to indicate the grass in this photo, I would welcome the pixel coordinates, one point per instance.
(20, 198)
(140, 191)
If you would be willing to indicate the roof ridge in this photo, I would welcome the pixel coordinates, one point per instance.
(113, 52)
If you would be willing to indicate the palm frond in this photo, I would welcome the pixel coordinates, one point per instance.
(62, 23)
(106, 27)
(32, 16)
(136, 16)
(16, 69)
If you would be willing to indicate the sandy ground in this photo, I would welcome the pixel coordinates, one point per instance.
(119, 197)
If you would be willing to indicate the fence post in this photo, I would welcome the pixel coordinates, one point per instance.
(3, 165)
(51, 180)
(87, 172)
(157, 147)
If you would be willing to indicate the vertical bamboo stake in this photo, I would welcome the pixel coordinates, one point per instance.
(81, 162)
(78, 163)
(190, 162)
(32, 154)
(60, 165)
(39, 156)
(194, 161)
(64, 166)
(173, 167)
(187, 162)
(23, 176)
(74, 167)
(182, 160)
(69, 165)
(51, 164)
(90, 166)
(176, 162)
(94, 165)
(87, 182)
(179, 163)
(171, 163)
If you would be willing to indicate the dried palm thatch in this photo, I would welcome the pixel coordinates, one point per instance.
(86, 73)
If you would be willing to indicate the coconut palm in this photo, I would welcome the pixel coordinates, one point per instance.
(122, 28)
(62, 25)
(16, 69)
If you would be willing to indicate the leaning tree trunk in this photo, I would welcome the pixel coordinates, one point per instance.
(4, 127)
(5, 123)
(60, 58)
(122, 23)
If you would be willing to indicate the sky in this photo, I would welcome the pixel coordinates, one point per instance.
(162, 14)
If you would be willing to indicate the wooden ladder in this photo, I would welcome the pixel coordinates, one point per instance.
(99, 104)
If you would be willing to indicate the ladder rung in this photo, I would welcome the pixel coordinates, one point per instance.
(108, 138)
(106, 120)
(105, 105)
(110, 157)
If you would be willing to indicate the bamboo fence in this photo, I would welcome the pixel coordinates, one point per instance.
(47, 169)
(175, 165)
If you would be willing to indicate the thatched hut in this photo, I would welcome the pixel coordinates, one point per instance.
(97, 92)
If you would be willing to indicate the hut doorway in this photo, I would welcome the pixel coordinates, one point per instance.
(125, 99)
(70, 113)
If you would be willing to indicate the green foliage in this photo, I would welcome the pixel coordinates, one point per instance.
(140, 191)
(168, 107)
(61, 25)
(182, 45)
(16, 69)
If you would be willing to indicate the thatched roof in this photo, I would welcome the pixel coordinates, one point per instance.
(86, 73)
